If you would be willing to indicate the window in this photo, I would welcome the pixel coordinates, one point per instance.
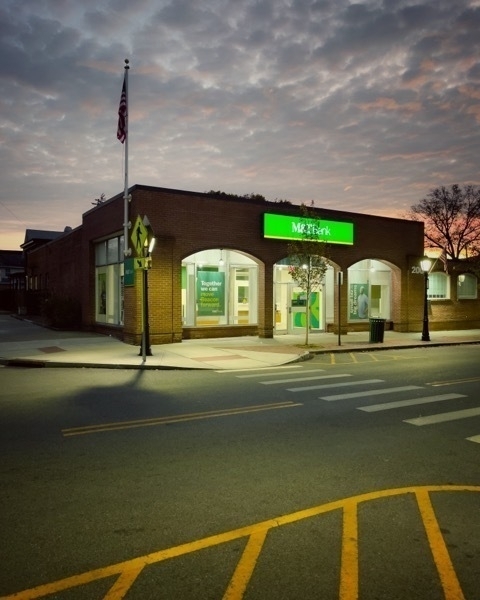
(112, 251)
(101, 254)
(466, 287)
(438, 288)
(369, 290)
(219, 287)
(109, 281)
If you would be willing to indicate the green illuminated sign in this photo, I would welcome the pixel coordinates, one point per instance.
(284, 227)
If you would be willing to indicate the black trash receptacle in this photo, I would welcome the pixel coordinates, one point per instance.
(377, 330)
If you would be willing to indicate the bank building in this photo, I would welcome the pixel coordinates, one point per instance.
(219, 268)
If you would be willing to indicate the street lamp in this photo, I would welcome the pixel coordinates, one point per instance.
(425, 265)
(147, 251)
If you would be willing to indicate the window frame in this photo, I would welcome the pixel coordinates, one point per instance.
(473, 285)
(435, 278)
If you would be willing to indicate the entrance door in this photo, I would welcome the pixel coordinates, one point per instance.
(290, 309)
(240, 301)
(298, 309)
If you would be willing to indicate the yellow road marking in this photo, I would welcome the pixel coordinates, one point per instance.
(128, 571)
(448, 577)
(349, 562)
(454, 381)
(123, 584)
(381, 358)
(239, 582)
(175, 418)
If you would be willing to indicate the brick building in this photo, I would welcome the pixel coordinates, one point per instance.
(220, 268)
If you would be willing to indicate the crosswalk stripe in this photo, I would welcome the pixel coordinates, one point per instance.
(279, 367)
(326, 386)
(444, 417)
(411, 402)
(305, 378)
(265, 373)
(404, 388)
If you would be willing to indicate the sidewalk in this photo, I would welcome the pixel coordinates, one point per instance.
(24, 343)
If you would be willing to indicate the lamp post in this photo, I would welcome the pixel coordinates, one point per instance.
(147, 250)
(425, 265)
(339, 308)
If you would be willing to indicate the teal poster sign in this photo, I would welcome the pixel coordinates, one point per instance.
(210, 293)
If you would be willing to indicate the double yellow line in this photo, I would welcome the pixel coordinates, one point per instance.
(102, 427)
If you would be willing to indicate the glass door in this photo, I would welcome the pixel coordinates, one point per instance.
(282, 305)
(291, 305)
(297, 310)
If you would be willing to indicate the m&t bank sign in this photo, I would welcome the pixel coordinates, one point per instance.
(284, 227)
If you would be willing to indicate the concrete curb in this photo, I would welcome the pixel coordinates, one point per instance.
(308, 355)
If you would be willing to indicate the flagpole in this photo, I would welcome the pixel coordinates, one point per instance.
(126, 196)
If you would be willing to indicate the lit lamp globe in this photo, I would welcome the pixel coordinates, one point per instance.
(425, 264)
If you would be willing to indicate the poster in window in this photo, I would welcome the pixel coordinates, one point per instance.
(300, 318)
(210, 293)
(358, 301)
(102, 293)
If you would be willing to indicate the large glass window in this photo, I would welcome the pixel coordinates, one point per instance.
(109, 281)
(466, 287)
(112, 250)
(438, 288)
(219, 287)
(369, 290)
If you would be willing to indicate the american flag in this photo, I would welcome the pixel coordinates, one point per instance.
(122, 115)
(443, 258)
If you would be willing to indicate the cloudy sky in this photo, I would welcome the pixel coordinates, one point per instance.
(361, 106)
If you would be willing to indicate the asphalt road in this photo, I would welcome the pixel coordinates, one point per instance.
(323, 479)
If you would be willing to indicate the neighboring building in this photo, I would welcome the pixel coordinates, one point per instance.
(219, 268)
(11, 263)
(31, 295)
(11, 277)
(34, 238)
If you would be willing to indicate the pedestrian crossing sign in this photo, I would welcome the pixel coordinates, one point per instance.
(139, 237)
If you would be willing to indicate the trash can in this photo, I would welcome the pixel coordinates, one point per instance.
(377, 329)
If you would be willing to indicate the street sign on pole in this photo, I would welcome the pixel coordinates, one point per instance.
(140, 263)
(139, 237)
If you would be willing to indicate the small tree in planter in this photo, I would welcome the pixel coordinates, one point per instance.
(308, 264)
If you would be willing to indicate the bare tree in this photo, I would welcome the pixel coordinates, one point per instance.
(99, 201)
(452, 220)
(307, 259)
